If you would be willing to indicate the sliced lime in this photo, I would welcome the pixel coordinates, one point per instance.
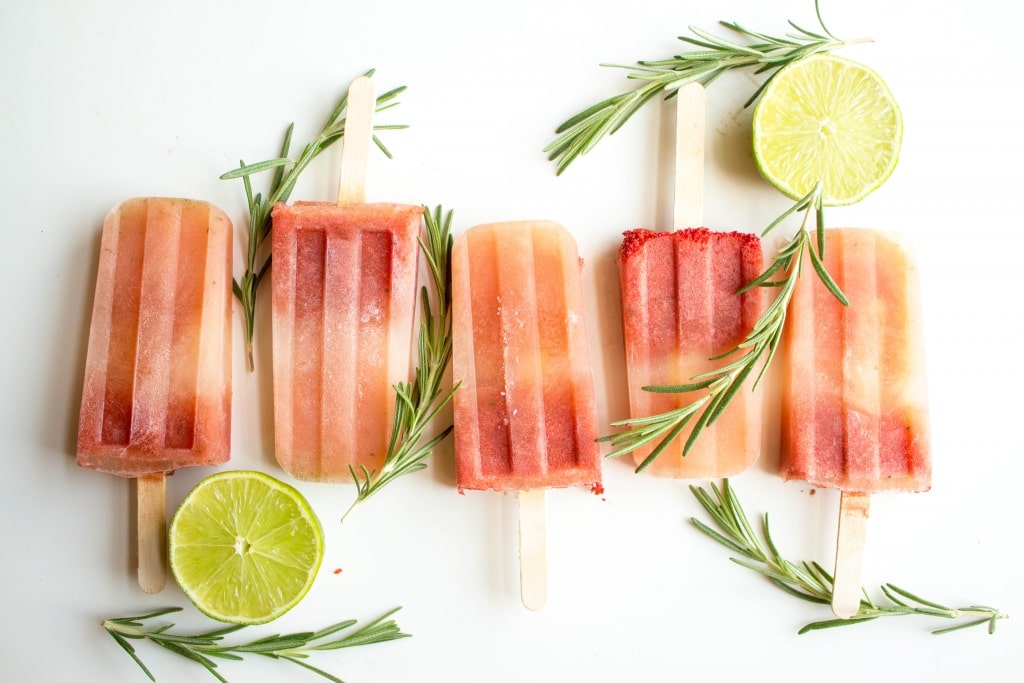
(245, 547)
(826, 118)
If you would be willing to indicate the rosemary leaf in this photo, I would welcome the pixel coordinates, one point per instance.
(249, 169)
(833, 623)
(306, 665)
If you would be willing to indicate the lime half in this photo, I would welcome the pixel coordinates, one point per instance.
(245, 547)
(829, 119)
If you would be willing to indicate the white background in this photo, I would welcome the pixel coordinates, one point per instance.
(105, 100)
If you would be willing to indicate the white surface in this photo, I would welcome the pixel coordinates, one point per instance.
(106, 100)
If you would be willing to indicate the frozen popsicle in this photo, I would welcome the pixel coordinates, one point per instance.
(680, 310)
(855, 413)
(344, 300)
(525, 413)
(157, 389)
(344, 285)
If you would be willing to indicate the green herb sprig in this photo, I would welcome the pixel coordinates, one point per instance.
(286, 175)
(808, 580)
(759, 346)
(417, 403)
(763, 53)
(205, 648)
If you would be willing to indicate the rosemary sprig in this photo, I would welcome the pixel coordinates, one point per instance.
(286, 174)
(808, 580)
(204, 648)
(722, 384)
(418, 402)
(762, 53)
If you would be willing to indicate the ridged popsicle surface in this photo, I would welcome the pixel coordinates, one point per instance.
(525, 411)
(157, 389)
(680, 309)
(855, 410)
(344, 302)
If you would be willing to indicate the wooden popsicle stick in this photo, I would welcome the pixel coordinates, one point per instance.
(151, 493)
(355, 149)
(688, 206)
(853, 521)
(533, 554)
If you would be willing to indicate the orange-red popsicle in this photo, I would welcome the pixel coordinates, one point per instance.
(525, 411)
(855, 411)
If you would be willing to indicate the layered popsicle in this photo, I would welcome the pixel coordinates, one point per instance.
(344, 300)
(855, 412)
(680, 311)
(157, 391)
(525, 411)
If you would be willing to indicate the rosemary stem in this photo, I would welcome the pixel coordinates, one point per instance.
(712, 57)
(250, 364)
(123, 629)
(208, 647)
(808, 580)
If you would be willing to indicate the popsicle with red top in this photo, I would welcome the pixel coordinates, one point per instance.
(157, 389)
(681, 313)
(343, 307)
(855, 409)
(525, 413)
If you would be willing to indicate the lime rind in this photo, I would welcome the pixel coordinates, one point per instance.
(245, 547)
(831, 119)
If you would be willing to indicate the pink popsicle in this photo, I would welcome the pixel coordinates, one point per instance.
(344, 300)
(679, 310)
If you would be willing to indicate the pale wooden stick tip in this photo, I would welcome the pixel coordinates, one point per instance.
(846, 587)
(533, 565)
(151, 494)
(355, 150)
(688, 208)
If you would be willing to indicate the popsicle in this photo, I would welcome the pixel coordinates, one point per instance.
(681, 310)
(855, 410)
(157, 389)
(525, 413)
(343, 304)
